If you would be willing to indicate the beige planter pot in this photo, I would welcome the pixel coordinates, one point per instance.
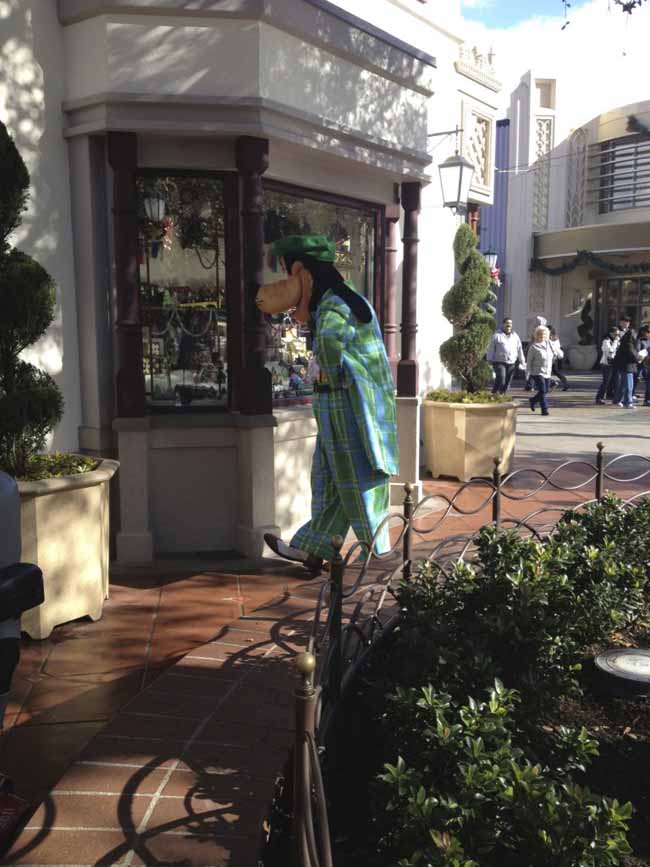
(582, 357)
(64, 526)
(462, 440)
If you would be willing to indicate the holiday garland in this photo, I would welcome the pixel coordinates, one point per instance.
(586, 257)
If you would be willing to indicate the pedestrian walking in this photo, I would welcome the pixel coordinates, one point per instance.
(607, 352)
(558, 356)
(504, 353)
(539, 321)
(625, 362)
(539, 366)
(618, 371)
(643, 371)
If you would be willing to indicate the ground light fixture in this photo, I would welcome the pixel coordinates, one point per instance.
(625, 670)
(455, 176)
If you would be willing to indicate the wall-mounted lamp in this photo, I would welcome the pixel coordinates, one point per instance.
(154, 209)
(455, 177)
(491, 259)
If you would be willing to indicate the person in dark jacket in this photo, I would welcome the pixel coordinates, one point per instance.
(615, 383)
(625, 363)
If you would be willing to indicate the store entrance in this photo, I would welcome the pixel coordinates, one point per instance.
(629, 296)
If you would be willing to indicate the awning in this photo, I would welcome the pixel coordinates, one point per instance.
(615, 238)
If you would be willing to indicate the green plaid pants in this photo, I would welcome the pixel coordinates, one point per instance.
(346, 491)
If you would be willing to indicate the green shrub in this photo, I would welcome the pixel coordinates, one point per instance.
(523, 611)
(445, 395)
(463, 794)
(30, 402)
(467, 305)
(55, 465)
(14, 183)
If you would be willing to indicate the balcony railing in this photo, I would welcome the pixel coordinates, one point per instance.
(618, 174)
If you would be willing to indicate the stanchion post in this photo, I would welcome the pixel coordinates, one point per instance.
(600, 471)
(408, 530)
(496, 499)
(336, 621)
(305, 696)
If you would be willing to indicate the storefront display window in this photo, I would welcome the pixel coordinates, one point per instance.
(629, 297)
(355, 232)
(182, 288)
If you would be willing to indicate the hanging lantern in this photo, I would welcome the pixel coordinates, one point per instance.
(154, 209)
(455, 178)
(491, 259)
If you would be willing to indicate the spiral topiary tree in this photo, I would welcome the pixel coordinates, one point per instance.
(586, 328)
(30, 401)
(468, 306)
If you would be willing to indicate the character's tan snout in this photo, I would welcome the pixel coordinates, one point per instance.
(279, 297)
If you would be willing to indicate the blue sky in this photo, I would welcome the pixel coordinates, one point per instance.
(508, 13)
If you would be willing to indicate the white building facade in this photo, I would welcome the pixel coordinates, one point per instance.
(169, 142)
(578, 217)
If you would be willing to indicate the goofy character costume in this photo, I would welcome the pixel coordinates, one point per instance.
(354, 402)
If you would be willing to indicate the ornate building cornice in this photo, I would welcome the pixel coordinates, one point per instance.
(478, 66)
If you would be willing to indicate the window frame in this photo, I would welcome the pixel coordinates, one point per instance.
(233, 286)
(377, 210)
(623, 194)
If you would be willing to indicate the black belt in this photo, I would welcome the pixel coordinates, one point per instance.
(323, 388)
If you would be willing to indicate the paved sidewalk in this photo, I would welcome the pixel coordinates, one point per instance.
(185, 771)
(576, 423)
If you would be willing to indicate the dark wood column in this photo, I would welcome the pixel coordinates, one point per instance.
(407, 368)
(252, 156)
(390, 297)
(474, 217)
(129, 377)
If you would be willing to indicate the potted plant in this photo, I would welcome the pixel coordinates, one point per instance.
(64, 497)
(466, 430)
(583, 356)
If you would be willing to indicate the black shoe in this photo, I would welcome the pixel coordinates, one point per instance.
(566, 388)
(546, 413)
(604, 402)
(310, 561)
(532, 404)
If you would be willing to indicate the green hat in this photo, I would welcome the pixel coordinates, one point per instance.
(317, 246)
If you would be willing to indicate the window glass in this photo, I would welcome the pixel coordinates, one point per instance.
(353, 232)
(613, 291)
(630, 292)
(612, 316)
(645, 291)
(182, 290)
(622, 178)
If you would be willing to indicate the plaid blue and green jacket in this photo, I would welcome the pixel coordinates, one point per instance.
(352, 354)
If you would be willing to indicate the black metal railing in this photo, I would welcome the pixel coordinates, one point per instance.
(349, 619)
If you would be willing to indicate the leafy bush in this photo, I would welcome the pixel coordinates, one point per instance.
(523, 611)
(56, 465)
(609, 521)
(463, 794)
(30, 402)
(444, 395)
(467, 306)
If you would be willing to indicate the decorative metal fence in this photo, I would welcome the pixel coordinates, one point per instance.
(349, 620)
